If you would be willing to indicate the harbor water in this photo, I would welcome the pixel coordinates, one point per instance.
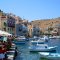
(24, 54)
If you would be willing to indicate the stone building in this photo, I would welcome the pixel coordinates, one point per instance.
(11, 25)
(30, 29)
(21, 30)
(36, 31)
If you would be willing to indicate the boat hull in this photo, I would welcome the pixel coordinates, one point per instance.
(36, 49)
(50, 56)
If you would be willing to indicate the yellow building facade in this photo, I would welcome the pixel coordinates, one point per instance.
(30, 29)
(3, 22)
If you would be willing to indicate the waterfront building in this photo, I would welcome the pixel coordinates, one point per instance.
(21, 30)
(53, 30)
(18, 20)
(33, 30)
(56, 29)
(1, 13)
(20, 27)
(3, 23)
(7, 23)
(36, 31)
(11, 25)
(10, 22)
(30, 29)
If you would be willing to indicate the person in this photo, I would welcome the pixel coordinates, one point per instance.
(2, 56)
(9, 43)
(5, 46)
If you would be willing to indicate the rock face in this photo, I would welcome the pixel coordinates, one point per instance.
(44, 24)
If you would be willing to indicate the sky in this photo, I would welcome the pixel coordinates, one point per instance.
(32, 9)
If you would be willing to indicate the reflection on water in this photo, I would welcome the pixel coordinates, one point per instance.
(43, 59)
(24, 53)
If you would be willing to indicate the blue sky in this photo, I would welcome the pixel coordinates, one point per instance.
(32, 9)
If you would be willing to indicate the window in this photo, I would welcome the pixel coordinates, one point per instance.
(5, 24)
(8, 28)
(20, 29)
(4, 29)
(24, 31)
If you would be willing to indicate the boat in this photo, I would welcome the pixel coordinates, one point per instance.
(42, 48)
(54, 37)
(13, 45)
(46, 38)
(50, 56)
(37, 41)
(10, 55)
(20, 40)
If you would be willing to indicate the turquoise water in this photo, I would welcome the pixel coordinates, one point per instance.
(24, 53)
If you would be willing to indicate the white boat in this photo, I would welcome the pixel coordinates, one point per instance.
(37, 42)
(20, 42)
(42, 48)
(21, 38)
(55, 37)
(46, 38)
(10, 55)
(50, 56)
(13, 45)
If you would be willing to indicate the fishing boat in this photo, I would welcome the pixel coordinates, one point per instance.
(42, 48)
(50, 56)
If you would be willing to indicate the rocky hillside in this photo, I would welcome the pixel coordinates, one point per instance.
(44, 24)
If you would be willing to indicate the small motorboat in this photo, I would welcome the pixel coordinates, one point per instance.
(54, 37)
(50, 56)
(37, 42)
(42, 48)
(10, 55)
(46, 38)
(21, 38)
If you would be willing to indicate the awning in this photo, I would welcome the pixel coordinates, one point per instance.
(3, 33)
